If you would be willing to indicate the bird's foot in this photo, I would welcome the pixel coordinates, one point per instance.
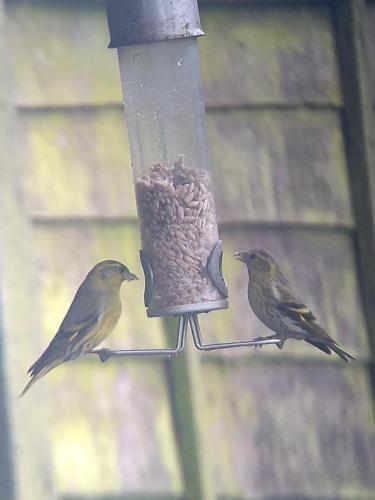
(103, 354)
(259, 346)
(269, 337)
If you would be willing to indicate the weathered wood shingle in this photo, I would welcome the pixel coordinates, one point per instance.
(260, 55)
(310, 428)
(280, 166)
(268, 56)
(79, 163)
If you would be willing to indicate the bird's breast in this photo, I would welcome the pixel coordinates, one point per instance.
(106, 323)
(262, 304)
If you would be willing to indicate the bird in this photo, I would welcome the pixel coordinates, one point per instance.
(275, 304)
(93, 314)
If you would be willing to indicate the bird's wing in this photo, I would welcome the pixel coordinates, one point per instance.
(84, 307)
(291, 305)
(297, 311)
(73, 331)
(70, 334)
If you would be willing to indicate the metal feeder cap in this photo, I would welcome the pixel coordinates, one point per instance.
(132, 22)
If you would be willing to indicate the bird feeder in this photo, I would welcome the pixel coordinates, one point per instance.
(181, 251)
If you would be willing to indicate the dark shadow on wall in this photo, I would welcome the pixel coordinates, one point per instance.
(7, 491)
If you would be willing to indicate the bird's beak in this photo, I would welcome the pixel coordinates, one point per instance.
(240, 256)
(128, 276)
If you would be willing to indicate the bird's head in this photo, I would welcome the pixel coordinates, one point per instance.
(259, 262)
(111, 273)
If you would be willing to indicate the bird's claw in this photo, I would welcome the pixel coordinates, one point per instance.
(260, 339)
(258, 346)
(103, 354)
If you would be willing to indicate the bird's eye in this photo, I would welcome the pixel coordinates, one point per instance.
(253, 256)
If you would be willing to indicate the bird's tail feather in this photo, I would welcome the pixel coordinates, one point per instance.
(320, 345)
(324, 342)
(37, 375)
(344, 355)
(42, 361)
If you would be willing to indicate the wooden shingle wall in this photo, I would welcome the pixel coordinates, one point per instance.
(266, 424)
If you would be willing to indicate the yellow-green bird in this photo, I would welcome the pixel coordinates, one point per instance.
(275, 304)
(93, 314)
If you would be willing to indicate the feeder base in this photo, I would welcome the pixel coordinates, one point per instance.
(199, 307)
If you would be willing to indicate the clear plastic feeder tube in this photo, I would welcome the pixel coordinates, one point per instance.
(168, 141)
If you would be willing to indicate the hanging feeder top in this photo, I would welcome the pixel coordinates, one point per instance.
(133, 22)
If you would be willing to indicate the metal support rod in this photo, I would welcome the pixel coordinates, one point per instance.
(184, 320)
(105, 354)
(197, 337)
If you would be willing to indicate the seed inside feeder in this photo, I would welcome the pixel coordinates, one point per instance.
(178, 231)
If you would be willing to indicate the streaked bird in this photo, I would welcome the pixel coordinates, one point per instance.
(93, 314)
(275, 304)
